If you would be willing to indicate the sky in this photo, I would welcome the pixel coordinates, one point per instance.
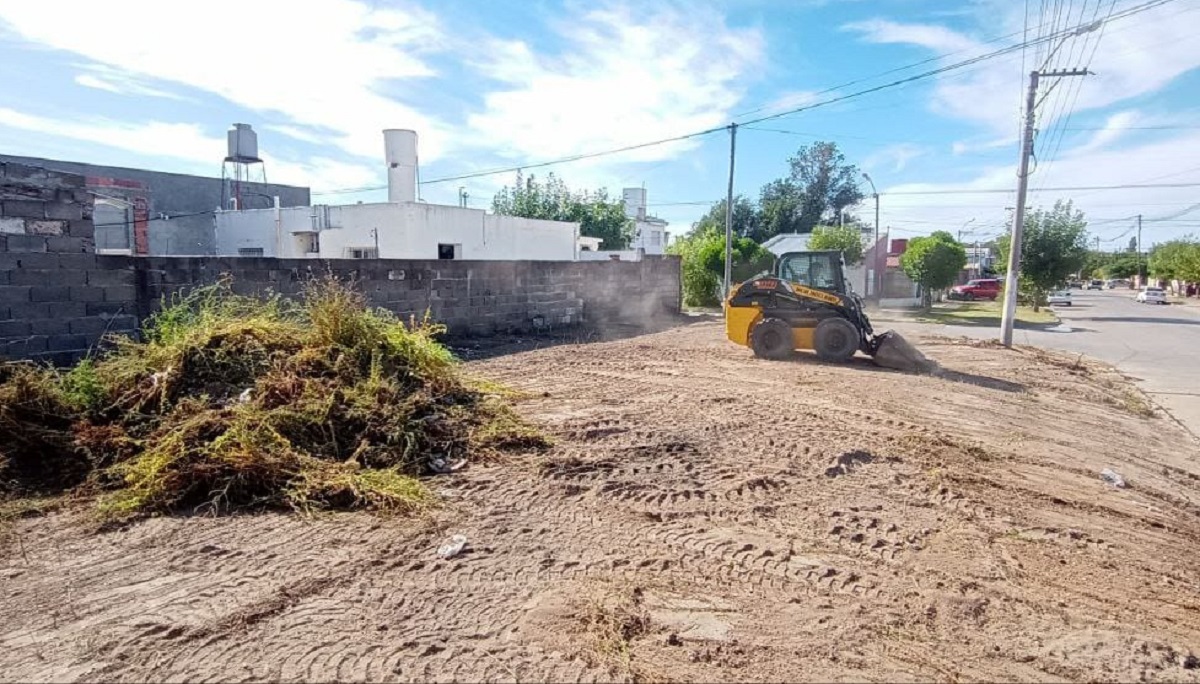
(501, 85)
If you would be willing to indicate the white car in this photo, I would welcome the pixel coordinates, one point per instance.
(1059, 298)
(1152, 295)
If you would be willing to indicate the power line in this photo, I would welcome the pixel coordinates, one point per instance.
(160, 217)
(842, 98)
(1130, 186)
(1024, 33)
(1078, 85)
(1131, 128)
(985, 191)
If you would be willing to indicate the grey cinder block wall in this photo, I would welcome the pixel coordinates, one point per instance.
(55, 307)
(58, 299)
(44, 211)
(190, 200)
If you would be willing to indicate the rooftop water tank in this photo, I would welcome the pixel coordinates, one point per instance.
(243, 144)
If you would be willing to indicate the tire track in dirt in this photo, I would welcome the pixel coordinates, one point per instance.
(846, 521)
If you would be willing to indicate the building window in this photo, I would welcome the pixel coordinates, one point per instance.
(449, 251)
(250, 251)
(362, 253)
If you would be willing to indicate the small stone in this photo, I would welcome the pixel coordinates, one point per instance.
(1191, 662)
(674, 640)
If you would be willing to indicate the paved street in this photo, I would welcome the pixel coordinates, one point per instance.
(1159, 345)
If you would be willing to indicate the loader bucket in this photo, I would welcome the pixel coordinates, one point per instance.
(893, 351)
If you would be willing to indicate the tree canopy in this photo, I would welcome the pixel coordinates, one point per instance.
(846, 239)
(703, 256)
(933, 262)
(1176, 260)
(1053, 247)
(745, 219)
(551, 200)
(827, 183)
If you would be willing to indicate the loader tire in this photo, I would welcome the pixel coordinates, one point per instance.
(771, 339)
(835, 339)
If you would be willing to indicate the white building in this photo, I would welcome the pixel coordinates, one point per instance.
(649, 232)
(401, 228)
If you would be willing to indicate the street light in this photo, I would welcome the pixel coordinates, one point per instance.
(876, 243)
(964, 229)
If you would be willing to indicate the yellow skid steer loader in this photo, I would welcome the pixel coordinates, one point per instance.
(807, 304)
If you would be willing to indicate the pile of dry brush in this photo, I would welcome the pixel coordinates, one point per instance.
(232, 401)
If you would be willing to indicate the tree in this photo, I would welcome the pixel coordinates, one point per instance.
(1053, 246)
(703, 255)
(745, 219)
(780, 205)
(1094, 265)
(827, 183)
(847, 240)
(933, 262)
(597, 215)
(1122, 265)
(819, 185)
(1133, 245)
(1176, 260)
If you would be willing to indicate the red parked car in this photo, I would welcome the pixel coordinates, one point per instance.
(982, 288)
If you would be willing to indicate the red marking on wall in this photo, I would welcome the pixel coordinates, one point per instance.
(141, 225)
(104, 182)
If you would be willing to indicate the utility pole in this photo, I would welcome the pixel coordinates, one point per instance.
(1141, 282)
(729, 215)
(1012, 278)
(875, 266)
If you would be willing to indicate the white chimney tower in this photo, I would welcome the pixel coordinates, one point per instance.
(400, 151)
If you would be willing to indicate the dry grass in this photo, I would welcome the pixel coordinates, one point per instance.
(233, 402)
(611, 620)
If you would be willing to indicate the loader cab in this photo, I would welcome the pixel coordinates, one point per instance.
(822, 270)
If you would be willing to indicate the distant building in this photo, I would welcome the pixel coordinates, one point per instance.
(981, 263)
(649, 232)
(650, 235)
(898, 290)
(401, 228)
(143, 212)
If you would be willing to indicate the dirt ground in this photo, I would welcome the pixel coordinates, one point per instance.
(704, 516)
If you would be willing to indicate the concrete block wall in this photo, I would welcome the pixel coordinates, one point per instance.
(58, 299)
(44, 211)
(54, 307)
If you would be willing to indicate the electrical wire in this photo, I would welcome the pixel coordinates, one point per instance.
(161, 217)
(1061, 124)
(1136, 9)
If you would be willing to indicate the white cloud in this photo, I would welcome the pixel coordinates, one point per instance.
(789, 100)
(173, 140)
(937, 38)
(1115, 127)
(115, 81)
(322, 66)
(301, 134)
(893, 158)
(971, 146)
(625, 76)
(1137, 55)
(1166, 160)
(189, 144)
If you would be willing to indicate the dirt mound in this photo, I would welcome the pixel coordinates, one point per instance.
(234, 401)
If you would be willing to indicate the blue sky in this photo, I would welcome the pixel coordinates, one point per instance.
(502, 84)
